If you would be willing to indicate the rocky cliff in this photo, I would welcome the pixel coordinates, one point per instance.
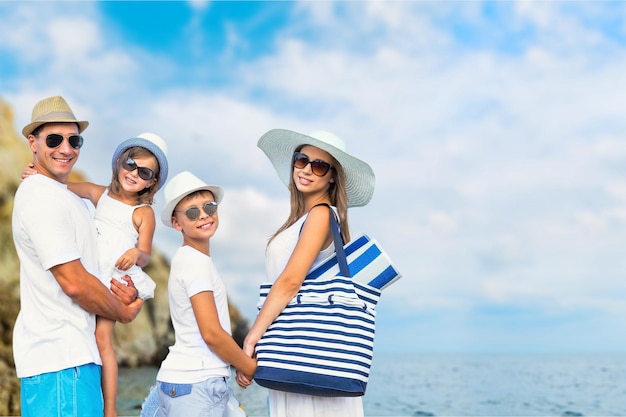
(142, 342)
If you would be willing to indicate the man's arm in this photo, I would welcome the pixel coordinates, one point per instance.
(88, 292)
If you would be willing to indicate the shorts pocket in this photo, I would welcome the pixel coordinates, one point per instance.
(31, 380)
(175, 390)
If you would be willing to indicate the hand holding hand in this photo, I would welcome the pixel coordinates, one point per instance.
(243, 380)
(127, 294)
(131, 311)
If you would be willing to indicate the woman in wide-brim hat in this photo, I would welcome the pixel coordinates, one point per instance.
(351, 179)
(318, 172)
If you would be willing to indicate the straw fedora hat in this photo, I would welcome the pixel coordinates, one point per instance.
(152, 142)
(180, 186)
(279, 146)
(52, 110)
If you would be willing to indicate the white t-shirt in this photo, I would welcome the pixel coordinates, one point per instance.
(51, 226)
(190, 360)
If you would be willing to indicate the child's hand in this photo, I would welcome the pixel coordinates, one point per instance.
(128, 259)
(28, 171)
(243, 380)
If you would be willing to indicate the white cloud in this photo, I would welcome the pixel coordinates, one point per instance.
(199, 5)
(499, 175)
(443, 222)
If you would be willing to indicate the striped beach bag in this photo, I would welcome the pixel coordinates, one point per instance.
(322, 342)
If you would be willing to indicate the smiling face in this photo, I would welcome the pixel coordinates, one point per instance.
(56, 163)
(305, 180)
(196, 230)
(130, 177)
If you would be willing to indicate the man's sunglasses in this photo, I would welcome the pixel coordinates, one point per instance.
(192, 213)
(144, 173)
(54, 140)
(318, 167)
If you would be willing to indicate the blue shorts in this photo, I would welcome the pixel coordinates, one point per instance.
(72, 392)
(203, 399)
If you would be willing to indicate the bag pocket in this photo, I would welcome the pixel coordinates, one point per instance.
(175, 390)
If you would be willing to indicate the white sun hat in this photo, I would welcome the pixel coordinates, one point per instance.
(279, 145)
(181, 186)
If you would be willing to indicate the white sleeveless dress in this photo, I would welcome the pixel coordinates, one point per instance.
(117, 234)
(287, 404)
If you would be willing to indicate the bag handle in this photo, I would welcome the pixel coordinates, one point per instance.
(341, 254)
(338, 239)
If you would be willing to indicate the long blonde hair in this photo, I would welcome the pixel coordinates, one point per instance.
(336, 193)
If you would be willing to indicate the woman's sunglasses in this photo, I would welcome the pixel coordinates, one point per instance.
(192, 213)
(54, 140)
(144, 173)
(318, 167)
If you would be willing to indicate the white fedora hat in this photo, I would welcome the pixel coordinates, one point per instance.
(279, 146)
(181, 186)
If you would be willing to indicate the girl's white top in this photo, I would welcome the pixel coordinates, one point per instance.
(117, 234)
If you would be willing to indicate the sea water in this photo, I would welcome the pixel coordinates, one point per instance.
(567, 385)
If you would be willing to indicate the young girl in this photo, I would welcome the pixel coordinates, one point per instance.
(125, 223)
(316, 169)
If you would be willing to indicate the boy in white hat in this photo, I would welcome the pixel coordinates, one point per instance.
(56, 355)
(192, 378)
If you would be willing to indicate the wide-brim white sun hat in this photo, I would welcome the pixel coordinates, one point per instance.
(279, 145)
(181, 186)
(152, 142)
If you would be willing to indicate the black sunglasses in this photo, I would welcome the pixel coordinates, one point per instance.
(192, 213)
(318, 167)
(144, 173)
(54, 140)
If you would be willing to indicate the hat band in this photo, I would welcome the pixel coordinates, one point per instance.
(56, 115)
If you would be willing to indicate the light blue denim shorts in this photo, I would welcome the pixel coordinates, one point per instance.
(72, 392)
(202, 399)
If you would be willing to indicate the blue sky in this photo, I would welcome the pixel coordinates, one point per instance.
(497, 131)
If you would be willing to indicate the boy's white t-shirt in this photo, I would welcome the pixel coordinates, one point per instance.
(51, 226)
(190, 360)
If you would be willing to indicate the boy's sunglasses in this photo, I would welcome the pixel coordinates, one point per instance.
(54, 140)
(192, 213)
(318, 167)
(144, 173)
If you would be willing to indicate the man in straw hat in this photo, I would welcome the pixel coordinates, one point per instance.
(54, 346)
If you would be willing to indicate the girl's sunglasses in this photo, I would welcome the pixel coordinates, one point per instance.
(318, 167)
(192, 213)
(54, 140)
(144, 173)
